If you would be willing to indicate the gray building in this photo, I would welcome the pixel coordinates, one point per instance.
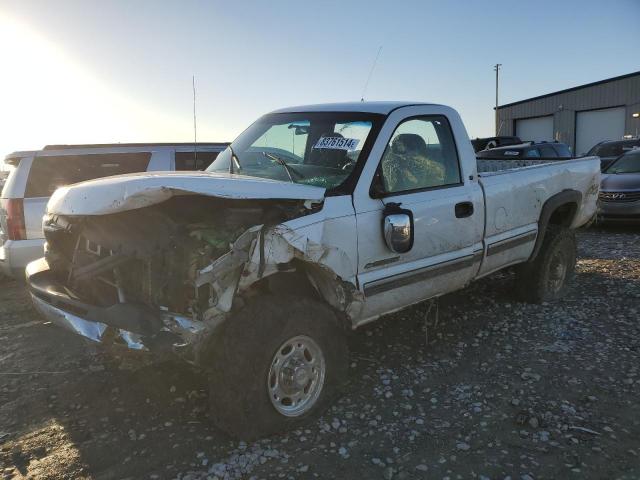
(579, 116)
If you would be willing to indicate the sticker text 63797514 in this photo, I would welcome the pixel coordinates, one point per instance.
(337, 143)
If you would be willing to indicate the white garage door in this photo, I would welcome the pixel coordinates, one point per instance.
(598, 125)
(538, 129)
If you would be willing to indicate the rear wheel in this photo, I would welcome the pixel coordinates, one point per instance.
(278, 363)
(545, 278)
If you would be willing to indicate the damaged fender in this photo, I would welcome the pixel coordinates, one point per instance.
(260, 252)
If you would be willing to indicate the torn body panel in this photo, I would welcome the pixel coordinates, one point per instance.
(328, 268)
(301, 245)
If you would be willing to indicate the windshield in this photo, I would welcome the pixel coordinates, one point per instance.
(320, 148)
(629, 163)
(612, 149)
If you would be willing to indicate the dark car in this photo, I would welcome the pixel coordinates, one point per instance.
(609, 151)
(530, 150)
(493, 142)
(619, 199)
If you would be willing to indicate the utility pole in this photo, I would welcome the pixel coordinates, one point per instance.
(497, 70)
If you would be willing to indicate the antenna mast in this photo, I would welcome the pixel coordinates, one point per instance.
(195, 130)
(366, 84)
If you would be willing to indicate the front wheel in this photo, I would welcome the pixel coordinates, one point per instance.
(278, 363)
(545, 278)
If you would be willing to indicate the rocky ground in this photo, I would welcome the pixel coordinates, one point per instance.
(494, 389)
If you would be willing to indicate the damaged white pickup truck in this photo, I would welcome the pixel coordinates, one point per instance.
(316, 219)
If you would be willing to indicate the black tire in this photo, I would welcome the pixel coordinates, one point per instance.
(241, 358)
(545, 278)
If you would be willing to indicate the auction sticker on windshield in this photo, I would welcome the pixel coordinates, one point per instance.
(337, 143)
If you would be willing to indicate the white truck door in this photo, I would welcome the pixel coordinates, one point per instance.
(418, 166)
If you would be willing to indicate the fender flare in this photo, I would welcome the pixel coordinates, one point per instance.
(565, 197)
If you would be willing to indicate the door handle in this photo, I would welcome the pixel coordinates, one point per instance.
(464, 209)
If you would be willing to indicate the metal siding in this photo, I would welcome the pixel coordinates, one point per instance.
(632, 125)
(564, 126)
(623, 92)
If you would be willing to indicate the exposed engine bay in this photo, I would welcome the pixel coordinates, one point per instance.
(153, 256)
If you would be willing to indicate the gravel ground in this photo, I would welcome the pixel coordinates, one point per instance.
(493, 389)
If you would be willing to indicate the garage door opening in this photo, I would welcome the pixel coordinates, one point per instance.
(539, 129)
(597, 126)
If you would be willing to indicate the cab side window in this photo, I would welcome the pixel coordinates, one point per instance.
(421, 154)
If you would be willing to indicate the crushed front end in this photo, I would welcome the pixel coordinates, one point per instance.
(157, 279)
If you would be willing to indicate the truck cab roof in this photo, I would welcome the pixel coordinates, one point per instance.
(384, 108)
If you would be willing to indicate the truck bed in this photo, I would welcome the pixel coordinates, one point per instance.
(516, 190)
(488, 165)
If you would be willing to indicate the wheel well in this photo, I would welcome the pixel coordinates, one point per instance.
(302, 279)
(289, 282)
(560, 209)
(563, 215)
(292, 283)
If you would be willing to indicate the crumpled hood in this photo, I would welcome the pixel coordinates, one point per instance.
(128, 192)
(619, 182)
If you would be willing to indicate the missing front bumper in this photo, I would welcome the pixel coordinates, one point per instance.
(135, 327)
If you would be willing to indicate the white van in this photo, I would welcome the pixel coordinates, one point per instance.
(35, 175)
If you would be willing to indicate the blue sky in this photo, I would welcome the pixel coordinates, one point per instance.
(89, 71)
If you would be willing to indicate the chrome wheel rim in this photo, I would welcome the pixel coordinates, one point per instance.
(557, 272)
(296, 376)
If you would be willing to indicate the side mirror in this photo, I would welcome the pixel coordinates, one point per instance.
(398, 228)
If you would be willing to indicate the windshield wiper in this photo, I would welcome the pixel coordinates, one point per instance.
(286, 166)
(233, 158)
